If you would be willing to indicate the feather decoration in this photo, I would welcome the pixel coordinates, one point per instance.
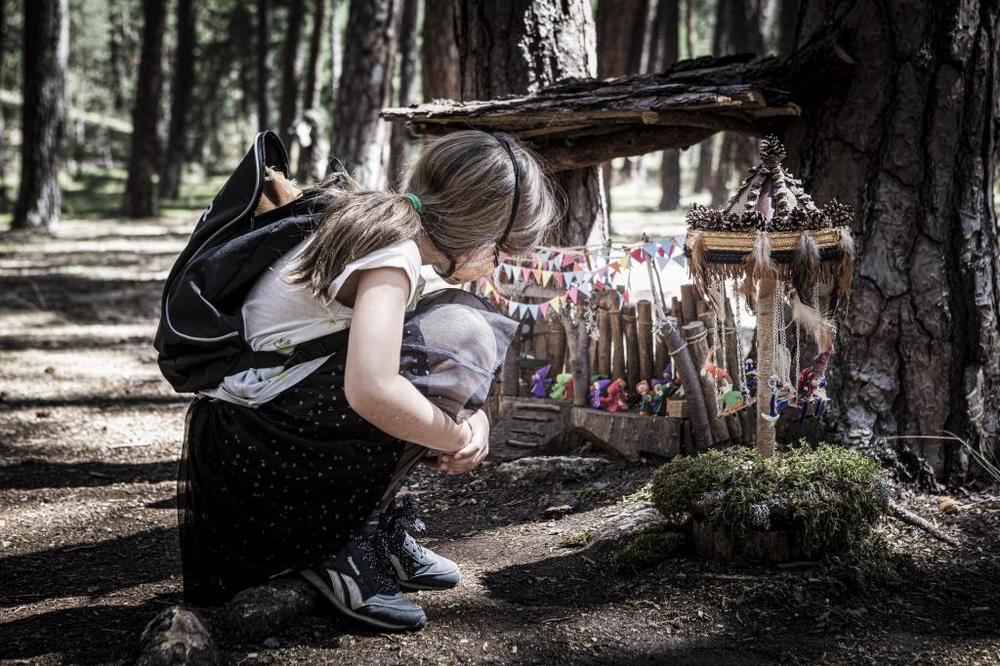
(699, 262)
(845, 272)
(749, 290)
(811, 319)
(806, 266)
(760, 265)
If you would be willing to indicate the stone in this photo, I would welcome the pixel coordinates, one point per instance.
(266, 609)
(177, 635)
(551, 469)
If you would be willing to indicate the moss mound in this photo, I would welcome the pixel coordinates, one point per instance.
(832, 495)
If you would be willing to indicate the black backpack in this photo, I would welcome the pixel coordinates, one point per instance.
(200, 338)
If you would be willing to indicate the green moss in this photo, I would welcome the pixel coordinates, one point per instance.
(577, 539)
(832, 494)
(650, 547)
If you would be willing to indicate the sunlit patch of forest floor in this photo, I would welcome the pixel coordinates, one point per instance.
(89, 444)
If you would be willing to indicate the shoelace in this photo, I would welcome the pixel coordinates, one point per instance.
(374, 551)
(404, 509)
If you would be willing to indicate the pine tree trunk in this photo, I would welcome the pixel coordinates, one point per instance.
(667, 39)
(517, 46)
(3, 125)
(140, 190)
(181, 96)
(312, 158)
(263, 64)
(290, 73)
(439, 52)
(788, 16)
(46, 50)
(359, 135)
(116, 57)
(909, 140)
(399, 143)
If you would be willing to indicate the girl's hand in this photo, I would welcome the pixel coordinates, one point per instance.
(474, 452)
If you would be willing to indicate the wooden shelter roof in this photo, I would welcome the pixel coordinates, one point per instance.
(580, 122)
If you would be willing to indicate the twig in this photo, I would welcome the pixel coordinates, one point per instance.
(558, 619)
(911, 518)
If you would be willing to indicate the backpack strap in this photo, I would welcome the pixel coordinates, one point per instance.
(317, 348)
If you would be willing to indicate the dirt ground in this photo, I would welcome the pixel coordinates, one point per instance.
(89, 442)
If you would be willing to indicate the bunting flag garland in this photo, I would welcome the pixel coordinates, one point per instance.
(579, 273)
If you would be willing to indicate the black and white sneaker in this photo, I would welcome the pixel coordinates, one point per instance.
(417, 567)
(359, 582)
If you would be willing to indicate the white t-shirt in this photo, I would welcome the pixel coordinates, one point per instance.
(277, 316)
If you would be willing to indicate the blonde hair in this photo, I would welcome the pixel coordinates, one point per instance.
(465, 181)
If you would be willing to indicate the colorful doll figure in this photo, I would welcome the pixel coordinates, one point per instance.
(658, 401)
(781, 395)
(563, 388)
(645, 397)
(731, 401)
(540, 381)
(811, 386)
(598, 389)
(616, 399)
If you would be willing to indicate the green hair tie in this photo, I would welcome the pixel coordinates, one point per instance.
(414, 201)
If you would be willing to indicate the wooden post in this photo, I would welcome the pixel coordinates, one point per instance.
(617, 340)
(541, 340)
(697, 342)
(633, 361)
(644, 340)
(604, 339)
(685, 369)
(689, 302)
(765, 365)
(510, 375)
(557, 347)
(710, 320)
(677, 311)
(577, 348)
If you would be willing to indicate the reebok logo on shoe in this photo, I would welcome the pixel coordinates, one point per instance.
(354, 567)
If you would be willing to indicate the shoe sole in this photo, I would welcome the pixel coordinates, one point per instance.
(417, 587)
(324, 589)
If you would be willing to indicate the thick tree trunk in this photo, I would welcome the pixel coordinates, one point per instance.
(439, 52)
(909, 140)
(310, 96)
(263, 64)
(667, 40)
(517, 47)
(46, 49)
(290, 73)
(399, 143)
(788, 17)
(116, 56)
(140, 190)
(359, 135)
(181, 96)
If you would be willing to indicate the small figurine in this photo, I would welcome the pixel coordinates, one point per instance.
(811, 385)
(731, 401)
(540, 381)
(645, 397)
(563, 388)
(781, 394)
(616, 399)
(598, 389)
(659, 398)
(750, 369)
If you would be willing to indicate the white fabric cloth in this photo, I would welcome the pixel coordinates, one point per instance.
(277, 316)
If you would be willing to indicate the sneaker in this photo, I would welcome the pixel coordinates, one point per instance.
(417, 567)
(359, 583)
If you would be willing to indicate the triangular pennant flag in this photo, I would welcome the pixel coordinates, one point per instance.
(626, 262)
(651, 249)
(525, 274)
(567, 260)
(673, 248)
(511, 308)
(544, 308)
(509, 271)
(533, 309)
(639, 255)
(662, 261)
(556, 304)
(537, 274)
(488, 289)
(544, 255)
(546, 277)
(560, 279)
(572, 293)
(585, 289)
(681, 259)
(522, 310)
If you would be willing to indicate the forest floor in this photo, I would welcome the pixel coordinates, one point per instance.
(89, 442)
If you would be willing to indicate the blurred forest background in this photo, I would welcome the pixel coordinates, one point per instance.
(159, 99)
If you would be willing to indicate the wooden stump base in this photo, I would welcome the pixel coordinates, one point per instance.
(771, 547)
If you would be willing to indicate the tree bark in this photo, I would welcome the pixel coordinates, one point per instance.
(667, 39)
(46, 49)
(515, 47)
(359, 134)
(140, 191)
(788, 17)
(290, 73)
(439, 53)
(312, 157)
(909, 141)
(399, 142)
(263, 64)
(181, 95)
(116, 57)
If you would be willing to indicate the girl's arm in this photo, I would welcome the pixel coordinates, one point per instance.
(372, 383)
